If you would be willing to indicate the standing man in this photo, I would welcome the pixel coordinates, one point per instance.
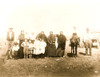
(10, 40)
(61, 41)
(88, 42)
(61, 44)
(74, 41)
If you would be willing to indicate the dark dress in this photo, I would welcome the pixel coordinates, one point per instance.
(51, 48)
(42, 36)
(21, 40)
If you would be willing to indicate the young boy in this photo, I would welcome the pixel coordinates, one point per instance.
(25, 45)
(30, 49)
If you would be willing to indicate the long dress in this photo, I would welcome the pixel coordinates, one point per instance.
(39, 47)
(51, 48)
(21, 40)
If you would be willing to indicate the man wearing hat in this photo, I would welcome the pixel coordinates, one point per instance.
(74, 42)
(10, 40)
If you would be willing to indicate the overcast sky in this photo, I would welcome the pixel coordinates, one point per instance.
(49, 15)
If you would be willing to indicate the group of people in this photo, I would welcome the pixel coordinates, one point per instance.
(39, 46)
(43, 46)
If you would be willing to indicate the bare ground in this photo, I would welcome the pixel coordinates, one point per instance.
(81, 66)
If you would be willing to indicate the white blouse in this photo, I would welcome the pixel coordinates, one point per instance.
(39, 47)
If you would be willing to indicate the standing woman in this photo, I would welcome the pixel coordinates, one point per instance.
(21, 40)
(42, 36)
(51, 48)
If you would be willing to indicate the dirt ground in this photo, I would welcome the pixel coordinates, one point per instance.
(81, 66)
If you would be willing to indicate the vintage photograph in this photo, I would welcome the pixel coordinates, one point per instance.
(49, 38)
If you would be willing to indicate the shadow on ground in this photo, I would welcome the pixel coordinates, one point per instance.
(70, 55)
(82, 53)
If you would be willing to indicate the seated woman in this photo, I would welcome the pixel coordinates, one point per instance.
(39, 46)
(15, 49)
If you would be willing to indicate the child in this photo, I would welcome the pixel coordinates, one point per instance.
(25, 45)
(30, 49)
(15, 49)
(42, 48)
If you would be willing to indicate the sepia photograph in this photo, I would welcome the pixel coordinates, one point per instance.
(49, 38)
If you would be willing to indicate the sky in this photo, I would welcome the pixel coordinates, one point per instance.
(49, 15)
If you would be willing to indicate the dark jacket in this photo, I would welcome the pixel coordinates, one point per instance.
(61, 39)
(21, 37)
(42, 36)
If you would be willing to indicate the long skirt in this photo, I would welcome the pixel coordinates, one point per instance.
(20, 52)
(51, 50)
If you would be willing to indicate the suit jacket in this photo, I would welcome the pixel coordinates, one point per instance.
(8, 36)
(61, 39)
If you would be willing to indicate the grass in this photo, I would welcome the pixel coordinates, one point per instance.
(81, 66)
(48, 67)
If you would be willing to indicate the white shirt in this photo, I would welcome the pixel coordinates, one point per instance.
(25, 44)
(56, 43)
(27, 36)
(39, 47)
(42, 47)
(15, 48)
(31, 45)
(32, 37)
(10, 35)
(87, 37)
